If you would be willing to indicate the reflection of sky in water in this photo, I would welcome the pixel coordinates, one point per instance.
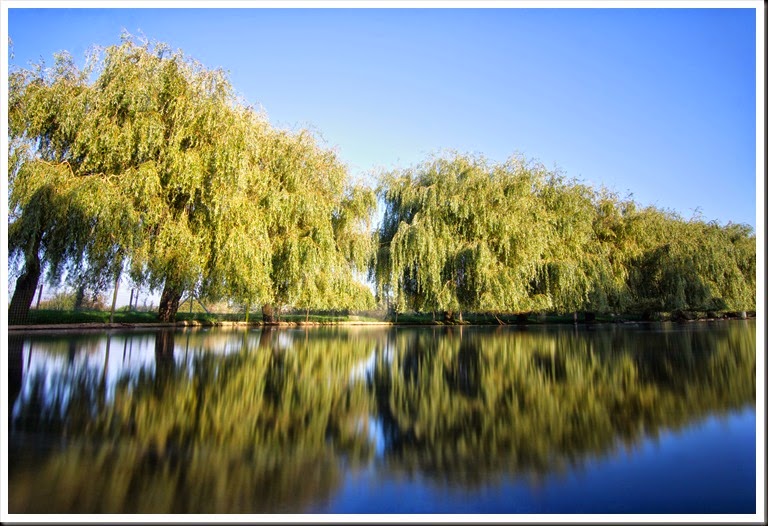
(60, 366)
(372, 427)
(364, 370)
(672, 469)
(62, 361)
(668, 474)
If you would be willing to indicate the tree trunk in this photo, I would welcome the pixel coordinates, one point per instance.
(164, 359)
(24, 293)
(449, 316)
(15, 370)
(39, 297)
(169, 303)
(79, 297)
(265, 338)
(114, 300)
(268, 313)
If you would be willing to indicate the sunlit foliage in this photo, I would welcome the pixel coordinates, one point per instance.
(158, 168)
(461, 233)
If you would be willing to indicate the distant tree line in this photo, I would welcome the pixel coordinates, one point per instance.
(460, 233)
(146, 164)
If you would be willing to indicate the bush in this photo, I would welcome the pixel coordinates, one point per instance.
(65, 300)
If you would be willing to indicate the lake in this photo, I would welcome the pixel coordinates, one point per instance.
(607, 418)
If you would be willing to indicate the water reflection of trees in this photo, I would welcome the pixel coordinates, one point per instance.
(264, 428)
(252, 431)
(15, 368)
(125, 477)
(57, 399)
(487, 403)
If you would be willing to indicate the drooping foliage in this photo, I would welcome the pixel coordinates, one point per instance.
(460, 233)
(692, 265)
(60, 219)
(183, 184)
(456, 235)
(318, 225)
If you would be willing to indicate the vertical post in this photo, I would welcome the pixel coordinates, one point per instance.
(114, 299)
(39, 295)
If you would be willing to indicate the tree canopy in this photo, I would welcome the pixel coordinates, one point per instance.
(146, 163)
(184, 185)
(461, 233)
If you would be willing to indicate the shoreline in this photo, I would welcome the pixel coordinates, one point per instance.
(97, 326)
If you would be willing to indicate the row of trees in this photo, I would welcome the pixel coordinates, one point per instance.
(146, 163)
(461, 233)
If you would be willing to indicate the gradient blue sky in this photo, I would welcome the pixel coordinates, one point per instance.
(656, 103)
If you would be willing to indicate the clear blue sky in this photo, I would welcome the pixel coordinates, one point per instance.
(659, 103)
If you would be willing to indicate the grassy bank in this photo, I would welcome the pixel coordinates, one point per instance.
(64, 317)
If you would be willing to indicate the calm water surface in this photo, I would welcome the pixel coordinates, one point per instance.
(645, 418)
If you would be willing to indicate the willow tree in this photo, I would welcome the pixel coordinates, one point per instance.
(60, 218)
(318, 224)
(213, 199)
(584, 264)
(690, 264)
(615, 247)
(179, 141)
(166, 141)
(461, 234)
